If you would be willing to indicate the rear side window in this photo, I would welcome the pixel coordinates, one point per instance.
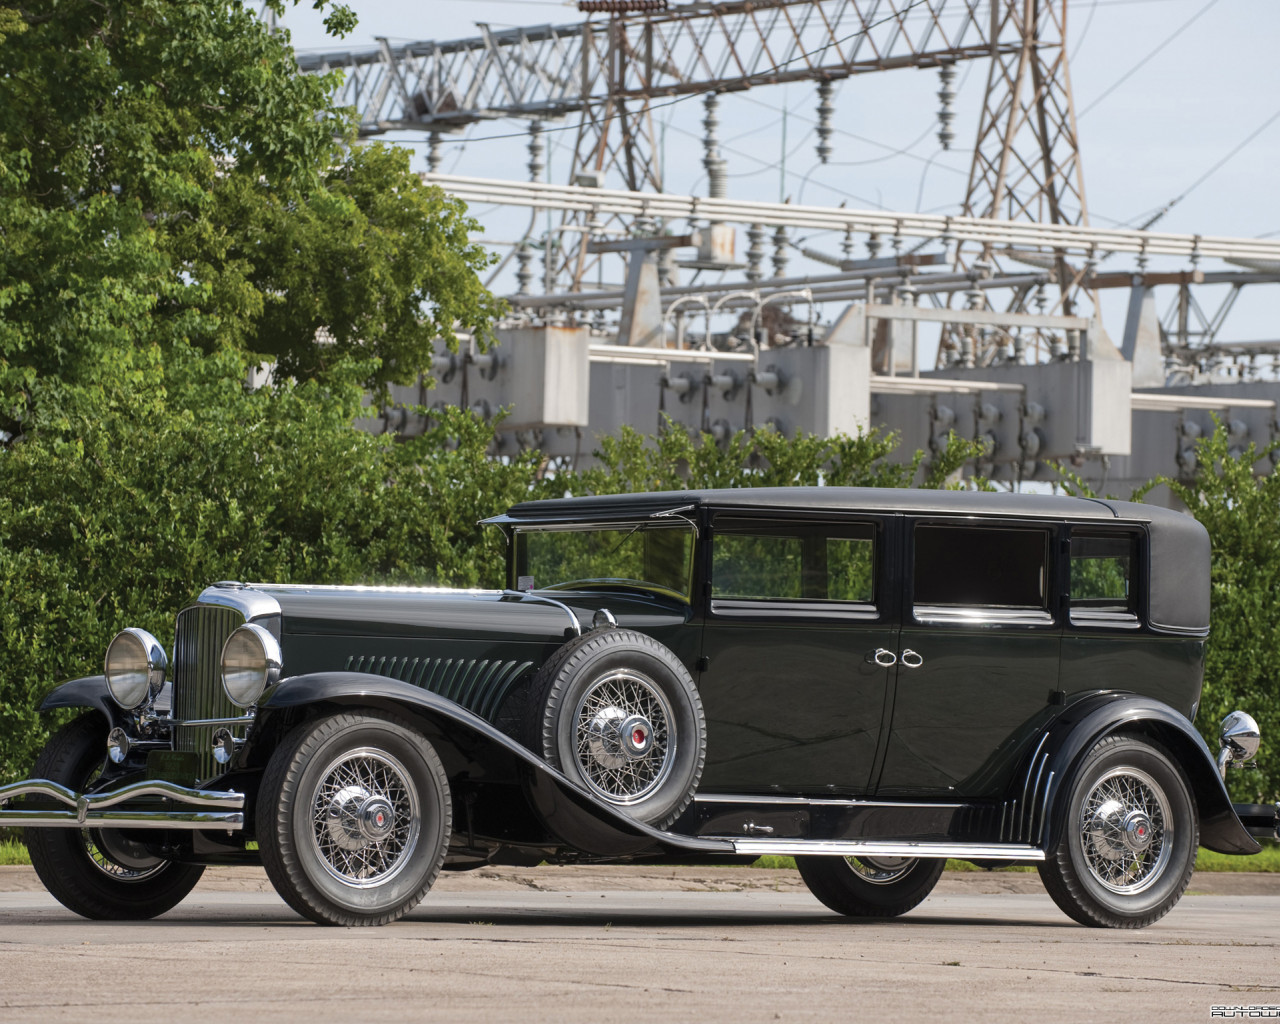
(981, 570)
(757, 561)
(1103, 571)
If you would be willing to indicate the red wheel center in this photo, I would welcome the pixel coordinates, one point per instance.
(638, 737)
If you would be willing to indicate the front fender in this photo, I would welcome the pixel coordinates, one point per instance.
(85, 692)
(577, 816)
(1077, 729)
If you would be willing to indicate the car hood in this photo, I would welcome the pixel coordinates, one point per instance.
(458, 614)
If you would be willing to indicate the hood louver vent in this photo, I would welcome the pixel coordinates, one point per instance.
(480, 686)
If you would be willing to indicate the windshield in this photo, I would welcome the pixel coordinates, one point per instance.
(650, 557)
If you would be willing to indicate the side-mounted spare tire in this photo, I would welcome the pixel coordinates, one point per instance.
(618, 712)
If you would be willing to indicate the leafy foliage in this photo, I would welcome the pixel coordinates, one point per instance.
(677, 459)
(174, 475)
(1241, 511)
(168, 178)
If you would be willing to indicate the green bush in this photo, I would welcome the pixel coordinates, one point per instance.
(1241, 511)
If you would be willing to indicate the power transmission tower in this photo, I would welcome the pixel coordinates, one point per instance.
(612, 72)
(1026, 159)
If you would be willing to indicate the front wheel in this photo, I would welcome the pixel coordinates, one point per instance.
(99, 873)
(354, 818)
(870, 886)
(1127, 845)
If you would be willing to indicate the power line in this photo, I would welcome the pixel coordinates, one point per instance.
(1138, 66)
(1275, 116)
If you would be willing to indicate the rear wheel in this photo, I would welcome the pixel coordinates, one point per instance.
(354, 818)
(99, 873)
(870, 886)
(1128, 843)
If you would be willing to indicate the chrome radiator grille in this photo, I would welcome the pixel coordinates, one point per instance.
(197, 683)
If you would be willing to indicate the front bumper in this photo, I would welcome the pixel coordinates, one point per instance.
(131, 806)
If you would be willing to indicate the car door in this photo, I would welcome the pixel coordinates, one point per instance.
(978, 666)
(801, 628)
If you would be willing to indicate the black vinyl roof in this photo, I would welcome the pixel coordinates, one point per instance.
(843, 499)
(1179, 546)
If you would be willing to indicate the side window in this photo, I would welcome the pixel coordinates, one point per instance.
(754, 560)
(964, 572)
(1103, 569)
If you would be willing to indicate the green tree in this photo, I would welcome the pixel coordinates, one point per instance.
(166, 177)
(1241, 511)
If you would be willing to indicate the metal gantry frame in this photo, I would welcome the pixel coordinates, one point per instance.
(612, 71)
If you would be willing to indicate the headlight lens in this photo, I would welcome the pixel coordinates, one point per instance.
(250, 663)
(134, 666)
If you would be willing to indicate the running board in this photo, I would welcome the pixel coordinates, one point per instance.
(885, 848)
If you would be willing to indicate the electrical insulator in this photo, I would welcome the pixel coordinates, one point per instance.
(825, 110)
(621, 6)
(712, 160)
(946, 97)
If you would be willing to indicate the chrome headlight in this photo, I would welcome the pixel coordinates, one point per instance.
(134, 666)
(250, 663)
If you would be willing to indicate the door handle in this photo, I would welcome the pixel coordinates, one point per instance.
(882, 657)
(911, 659)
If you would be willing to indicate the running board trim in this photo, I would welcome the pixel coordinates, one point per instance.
(885, 848)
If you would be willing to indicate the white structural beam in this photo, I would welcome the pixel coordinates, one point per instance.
(996, 233)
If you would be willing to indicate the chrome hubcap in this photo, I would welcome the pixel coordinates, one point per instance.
(364, 817)
(623, 736)
(1125, 831)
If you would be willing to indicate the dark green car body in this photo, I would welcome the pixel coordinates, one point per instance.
(914, 674)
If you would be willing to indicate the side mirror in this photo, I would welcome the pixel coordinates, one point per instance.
(1238, 738)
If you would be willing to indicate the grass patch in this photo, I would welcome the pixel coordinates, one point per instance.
(13, 852)
(1267, 860)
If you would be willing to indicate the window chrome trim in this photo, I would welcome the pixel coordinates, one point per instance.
(1107, 620)
(935, 615)
(755, 608)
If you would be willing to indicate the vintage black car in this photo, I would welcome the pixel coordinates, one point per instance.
(869, 680)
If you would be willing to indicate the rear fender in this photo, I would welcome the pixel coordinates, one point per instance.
(1078, 728)
(473, 746)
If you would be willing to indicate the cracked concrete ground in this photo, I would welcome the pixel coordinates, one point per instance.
(679, 944)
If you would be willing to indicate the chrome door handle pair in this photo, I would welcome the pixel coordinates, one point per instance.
(885, 658)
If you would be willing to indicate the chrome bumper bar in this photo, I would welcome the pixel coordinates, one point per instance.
(195, 808)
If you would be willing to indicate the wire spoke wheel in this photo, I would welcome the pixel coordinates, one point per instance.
(364, 817)
(618, 713)
(1122, 830)
(125, 865)
(870, 886)
(353, 818)
(1126, 844)
(880, 870)
(625, 746)
(102, 874)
